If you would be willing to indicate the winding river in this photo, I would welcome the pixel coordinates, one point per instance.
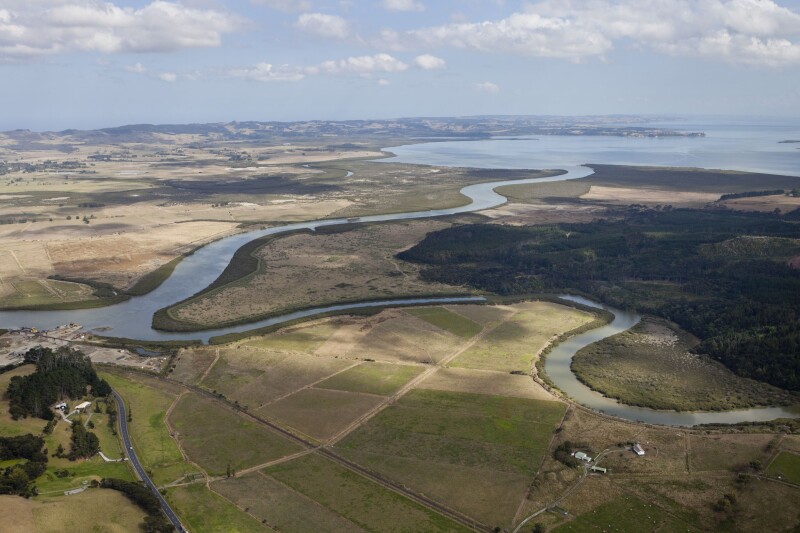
(132, 318)
(557, 366)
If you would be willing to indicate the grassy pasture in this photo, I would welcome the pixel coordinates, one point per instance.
(786, 465)
(447, 320)
(651, 366)
(514, 344)
(192, 363)
(257, 377)
(203, 511)
(482, 314)
(403, 338)
(358, 499)
(215, 437)
(372, 378)
(320, 413)
(95, 511)
(80, 471)
(625, 514)
(282, 507)
(473, 430)
(726, 452)
(485, 382)
(148, 401)
(490, 496)
(29, 293)
(304, 339)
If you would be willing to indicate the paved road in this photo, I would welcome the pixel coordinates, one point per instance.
(140, 471)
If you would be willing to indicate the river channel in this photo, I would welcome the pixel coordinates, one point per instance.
(132, 319)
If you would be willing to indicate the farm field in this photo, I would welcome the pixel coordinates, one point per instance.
(359, 500)
(110, 511)
(202, 510)
(651, 365)
(490, 444)
(787, 466)
(372, 378)
(310, 270)
(216, 439)
(515, 343)
(283, 508)
(320, 413)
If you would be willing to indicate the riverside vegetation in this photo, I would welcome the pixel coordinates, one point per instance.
(726, 277)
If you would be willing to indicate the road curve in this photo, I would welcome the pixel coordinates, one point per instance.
(137, 465)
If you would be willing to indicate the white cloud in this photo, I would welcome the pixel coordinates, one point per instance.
(357, 65)
(331, 26)
(740, 31)
(362, 65)
(286, 6)
(136, 68)
(268, 72)
(486, 87)
(40, 28)
(169, 77)
(429, 62)
(383, 82)
(403, 5)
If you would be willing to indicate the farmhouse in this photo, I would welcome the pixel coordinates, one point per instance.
(582, 456)
(81, 407)
(638, 450)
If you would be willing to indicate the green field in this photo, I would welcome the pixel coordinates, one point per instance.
(651, 365)
(474, 430)
(215, 437)
(255, 377)
(148, 401)
(358, 499)
(514, 344)
(447, 320)
(80, 471)
(44, 292)
(282, 507)
(786, 465)
(305, 339)
(626, 514)
(372, 378)
(203, 511)
(320, 413)
(475, 453)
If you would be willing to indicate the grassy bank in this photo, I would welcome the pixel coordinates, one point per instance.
(651, 366)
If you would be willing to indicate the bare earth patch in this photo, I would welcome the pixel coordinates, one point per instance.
(623, 195)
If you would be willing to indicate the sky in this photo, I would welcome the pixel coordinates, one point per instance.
(92, 63)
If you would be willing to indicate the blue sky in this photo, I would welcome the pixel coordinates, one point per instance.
(91, 63)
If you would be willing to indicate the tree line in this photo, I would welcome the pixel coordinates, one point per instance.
(690, 266)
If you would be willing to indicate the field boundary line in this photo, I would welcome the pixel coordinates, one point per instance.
(242, 509)
(350, 465)
(405, 389)
(310, 385)
(278, 461)
(307, 498)
(208, 370)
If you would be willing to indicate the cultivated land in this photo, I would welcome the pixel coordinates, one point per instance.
(311, 270)
(473, 440)
(651, 365)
